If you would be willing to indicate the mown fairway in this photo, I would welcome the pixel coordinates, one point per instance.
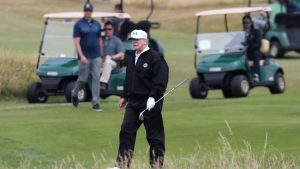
(45, 133)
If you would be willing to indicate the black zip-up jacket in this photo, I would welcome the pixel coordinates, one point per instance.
(253, 41)
(148, 78)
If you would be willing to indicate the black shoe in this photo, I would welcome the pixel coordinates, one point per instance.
(74, 100)
(97, 107)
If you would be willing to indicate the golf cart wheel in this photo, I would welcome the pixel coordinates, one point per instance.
(276, 49)
(198, 90)
(279, 84)
(36, 94)
(104, 96)
(82, 94)
(239, 86)
(226, 88)
(226, 93)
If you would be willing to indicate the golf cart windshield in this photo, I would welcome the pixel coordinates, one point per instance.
(224, 42)
(220, 30)
(58, 40)
(58, 37)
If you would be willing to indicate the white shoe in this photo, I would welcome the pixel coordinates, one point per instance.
(114, 168)
(255, 77)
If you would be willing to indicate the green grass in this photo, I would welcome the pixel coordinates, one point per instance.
(50, 132)
(47, 133)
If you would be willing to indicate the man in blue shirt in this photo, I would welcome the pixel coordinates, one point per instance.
(88, 44)
(113, 53)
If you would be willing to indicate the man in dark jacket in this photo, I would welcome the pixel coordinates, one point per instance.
(146, 81)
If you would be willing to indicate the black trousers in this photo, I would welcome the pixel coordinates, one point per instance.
(255, 56)
(153, 123)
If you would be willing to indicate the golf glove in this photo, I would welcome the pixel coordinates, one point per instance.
(150, 103)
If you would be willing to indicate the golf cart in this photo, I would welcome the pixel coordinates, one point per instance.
(58, 70)
(223, 64)
(146, 25)
(284, 32)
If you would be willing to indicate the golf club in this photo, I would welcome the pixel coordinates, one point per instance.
(141, 116)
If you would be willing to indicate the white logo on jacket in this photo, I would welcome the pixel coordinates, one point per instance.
(145, 65)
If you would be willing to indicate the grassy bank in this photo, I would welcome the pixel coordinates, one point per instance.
(16, 73)
(224, 157)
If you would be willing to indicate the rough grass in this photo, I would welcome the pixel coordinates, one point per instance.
(16, 73)
(225, 157)
(48, 133)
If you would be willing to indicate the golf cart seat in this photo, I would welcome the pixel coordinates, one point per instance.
(264, 49)
(265, 46)
(292, 25)
(290, 20)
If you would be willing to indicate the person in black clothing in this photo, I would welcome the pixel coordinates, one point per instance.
(116, 21)
(253, 43)
(146, 81)
(126, 28)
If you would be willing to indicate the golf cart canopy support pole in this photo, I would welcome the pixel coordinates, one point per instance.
(226, 24)
(151, 10)
(196, 48)
(121, 3)
(41, 44)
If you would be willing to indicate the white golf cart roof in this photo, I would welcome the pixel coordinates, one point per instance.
(77, 15)
(232, 11)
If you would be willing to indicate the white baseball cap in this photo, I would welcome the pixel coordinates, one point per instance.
(138, 34)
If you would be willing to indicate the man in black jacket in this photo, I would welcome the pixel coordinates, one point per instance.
(146, 81)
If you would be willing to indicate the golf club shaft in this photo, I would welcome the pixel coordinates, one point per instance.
(141, 116)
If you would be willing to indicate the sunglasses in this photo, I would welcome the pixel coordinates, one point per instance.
(108, 29)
